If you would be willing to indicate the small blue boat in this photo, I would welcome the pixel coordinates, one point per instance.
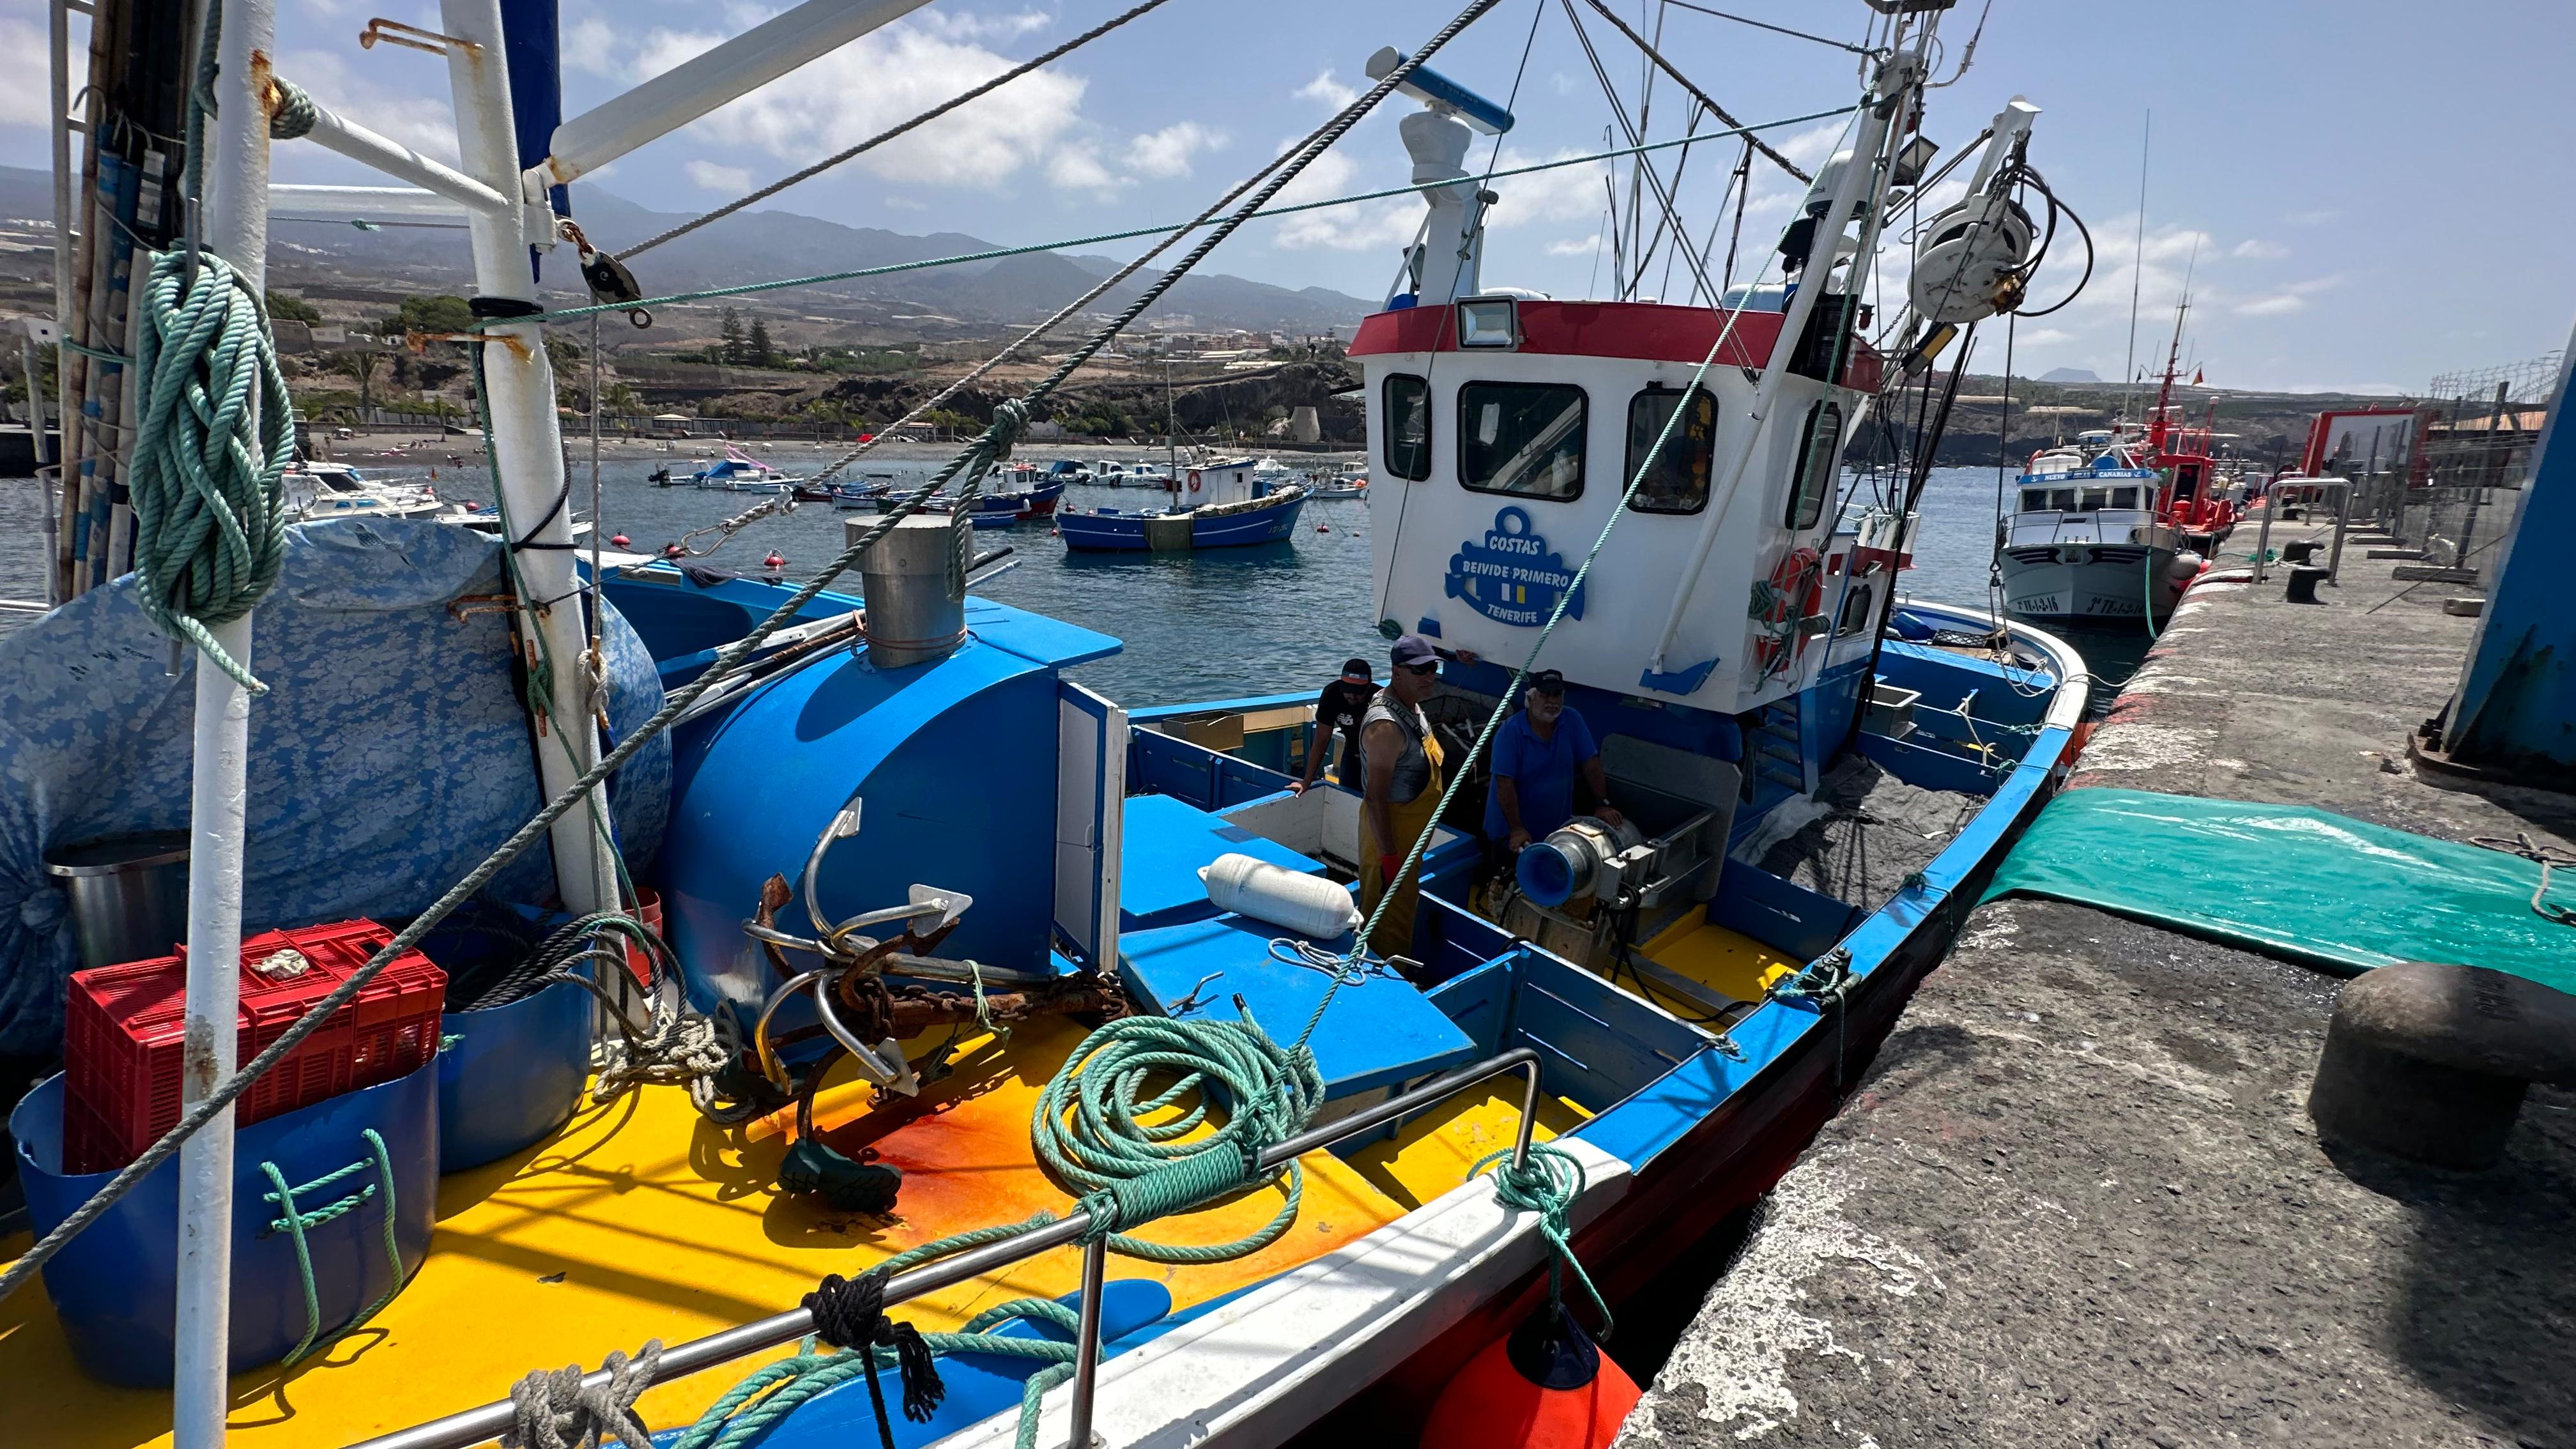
(1230, 505)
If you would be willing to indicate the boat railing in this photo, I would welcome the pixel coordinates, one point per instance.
(475, 1426)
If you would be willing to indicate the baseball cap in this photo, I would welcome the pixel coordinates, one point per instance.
(1412, 650)
(1355, 669)
(1547, 681)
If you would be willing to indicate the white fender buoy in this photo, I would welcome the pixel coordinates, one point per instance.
(1308, 905)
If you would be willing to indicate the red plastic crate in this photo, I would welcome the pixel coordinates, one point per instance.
(123, 1029)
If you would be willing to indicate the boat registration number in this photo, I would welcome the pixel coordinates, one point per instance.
(2114, 606)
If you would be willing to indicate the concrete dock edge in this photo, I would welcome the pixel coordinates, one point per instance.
(2077, 1199)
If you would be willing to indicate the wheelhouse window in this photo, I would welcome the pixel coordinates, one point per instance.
(1521, 438)
(1816, 453)
(2096, 498)
(2033, 499)
(1407, 416)
(2124, 497)
(1678, 483)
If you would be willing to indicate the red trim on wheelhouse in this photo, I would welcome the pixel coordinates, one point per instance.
(1642, 331)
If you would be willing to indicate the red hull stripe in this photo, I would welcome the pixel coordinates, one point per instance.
(1642, 331)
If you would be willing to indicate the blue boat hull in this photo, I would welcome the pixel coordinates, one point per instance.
(1125, 532)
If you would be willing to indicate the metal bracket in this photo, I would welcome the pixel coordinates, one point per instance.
(412, 37)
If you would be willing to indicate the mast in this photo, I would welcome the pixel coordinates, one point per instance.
(2137, 267)
(235, 222)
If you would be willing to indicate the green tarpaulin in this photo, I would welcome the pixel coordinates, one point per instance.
(2310, 885)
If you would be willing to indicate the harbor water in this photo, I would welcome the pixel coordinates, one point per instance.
(1214, 625)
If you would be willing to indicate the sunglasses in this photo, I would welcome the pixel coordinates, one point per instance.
(1431, 668)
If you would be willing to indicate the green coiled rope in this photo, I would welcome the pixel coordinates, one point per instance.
(210, 454)
(1090, 1127)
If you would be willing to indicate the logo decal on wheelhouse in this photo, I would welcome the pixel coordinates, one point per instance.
(1510, 577)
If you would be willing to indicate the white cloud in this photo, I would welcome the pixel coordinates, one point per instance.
(426, 125)
(2312, 218)
(890, 75)
(1330, 93)
(2287, 300)
(1575, 246)
(590, 47)
(24, 105)
(1166, 153)
(2278, 304)
(1561, 83)
(2258, 250)
(1364, 226)
(1566, 193)
(965, 25)
(1076, 166)
(712, 177)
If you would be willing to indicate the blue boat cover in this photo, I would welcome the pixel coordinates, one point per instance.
(391, 754)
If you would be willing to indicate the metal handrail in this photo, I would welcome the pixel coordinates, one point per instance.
(473, 1426)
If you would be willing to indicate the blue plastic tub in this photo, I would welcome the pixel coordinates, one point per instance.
(115, 1287)
(509, 1076)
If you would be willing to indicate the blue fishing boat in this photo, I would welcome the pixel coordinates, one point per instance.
(1222, 505)
(932, 983)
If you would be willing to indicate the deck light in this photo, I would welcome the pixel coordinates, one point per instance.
(1488, 322)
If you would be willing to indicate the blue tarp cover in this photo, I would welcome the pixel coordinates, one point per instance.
(2290, 881)
(391, 754)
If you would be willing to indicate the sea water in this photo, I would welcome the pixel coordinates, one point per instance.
(1215, 625)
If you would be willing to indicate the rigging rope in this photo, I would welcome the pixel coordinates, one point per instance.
(992, 446)
(566, 314)
(891, 132)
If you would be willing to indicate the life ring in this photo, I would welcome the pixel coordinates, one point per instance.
(1796, 589)
(1194, 480)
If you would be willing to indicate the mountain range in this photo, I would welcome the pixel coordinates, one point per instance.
(333, 257)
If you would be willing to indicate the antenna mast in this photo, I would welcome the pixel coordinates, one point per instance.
(2137, 265)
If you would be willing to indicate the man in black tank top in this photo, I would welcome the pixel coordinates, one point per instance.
(1337, 712)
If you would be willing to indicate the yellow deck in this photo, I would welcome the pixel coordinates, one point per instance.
(1726, 962)
(641, 1220)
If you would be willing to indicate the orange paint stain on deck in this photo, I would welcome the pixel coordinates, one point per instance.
(642, 1220)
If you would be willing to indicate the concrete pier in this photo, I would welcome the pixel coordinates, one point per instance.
(2077, 1199)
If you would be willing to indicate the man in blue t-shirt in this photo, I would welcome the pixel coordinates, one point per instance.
(1536, 755)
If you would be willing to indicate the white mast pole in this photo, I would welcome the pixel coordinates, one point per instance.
(527, 442)
(234, 227)
(1888, 95)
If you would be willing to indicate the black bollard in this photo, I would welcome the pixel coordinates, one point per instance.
(2304, 579)
(2300, 551)
(2429, 1062)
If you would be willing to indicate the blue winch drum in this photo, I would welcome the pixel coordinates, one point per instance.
(509, 1076)
(1545, 875)
(115, 1287)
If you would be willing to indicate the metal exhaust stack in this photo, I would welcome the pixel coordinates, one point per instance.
(914, 612)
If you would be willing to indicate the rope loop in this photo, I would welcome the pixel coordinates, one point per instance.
(554, 1409)
(210, 454)
(292, 114)
(1111, 1125)
(1547, 1184)
(295, 1222)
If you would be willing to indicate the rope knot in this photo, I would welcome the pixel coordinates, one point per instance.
(1010, 418)
(849, 1313)
(209, 455)
(554, 1409)
(291, 113)
(1821, 983)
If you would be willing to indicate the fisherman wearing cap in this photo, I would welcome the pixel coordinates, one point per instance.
(1337, 711)
(1537, 753)
(1400, 788)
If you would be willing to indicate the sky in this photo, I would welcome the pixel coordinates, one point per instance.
(2334, 179)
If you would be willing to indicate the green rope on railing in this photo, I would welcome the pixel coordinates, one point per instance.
(1547, 1184)
(210, 455)
(294, 115)
(1091, 1127)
